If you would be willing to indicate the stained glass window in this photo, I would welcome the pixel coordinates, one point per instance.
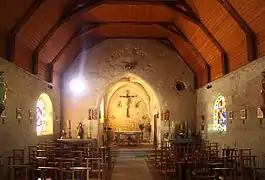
(44, 115)
(219, 115)
(40, 115)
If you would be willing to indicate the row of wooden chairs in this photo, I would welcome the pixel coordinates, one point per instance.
(202, 160)
(60, 161)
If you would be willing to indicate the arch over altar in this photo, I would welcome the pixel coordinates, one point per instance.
(129, 106)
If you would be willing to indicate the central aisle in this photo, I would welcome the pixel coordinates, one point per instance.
(131, 166)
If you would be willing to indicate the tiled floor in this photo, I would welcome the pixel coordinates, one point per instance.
(130, 166)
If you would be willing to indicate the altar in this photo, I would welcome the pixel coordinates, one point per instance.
(129, 137)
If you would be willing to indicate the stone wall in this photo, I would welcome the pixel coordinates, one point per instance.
(241, 90)
(159, 66)
(24, 90)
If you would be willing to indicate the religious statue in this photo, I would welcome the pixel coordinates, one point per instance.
(166, 115)
(141, 126)
(263, 92)
(148, 130)
(129, 101)
(2, 92)
(80, 131)
(108, 136)
(63, 135)
(177, 128)
(129, 65)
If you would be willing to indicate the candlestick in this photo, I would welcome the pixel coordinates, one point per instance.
(69, 129)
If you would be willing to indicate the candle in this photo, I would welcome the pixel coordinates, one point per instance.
(69, 129)
(69, 124)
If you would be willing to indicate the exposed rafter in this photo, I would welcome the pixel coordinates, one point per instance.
(83, 31)
(179, 6)
(93, 41)
(184, 9)
(192, 17)
(86, 32)
(11, 35)
(67, 14)
(86, 5)
(195, 50)
(50, 72)
(75, 35)
(250, 35)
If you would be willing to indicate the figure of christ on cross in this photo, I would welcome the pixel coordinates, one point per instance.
(128, 102)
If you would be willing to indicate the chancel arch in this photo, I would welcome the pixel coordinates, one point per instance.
(44, 114)
(129, 103)
(219, 115)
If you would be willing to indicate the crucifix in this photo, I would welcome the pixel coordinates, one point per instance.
(128, 102)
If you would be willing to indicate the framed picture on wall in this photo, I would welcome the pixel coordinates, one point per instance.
(30, 115)
(231, 115)
(19, 113)
(4, 113)
(243, 114)
(259, 113)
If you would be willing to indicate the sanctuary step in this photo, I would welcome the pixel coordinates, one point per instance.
(131, 154)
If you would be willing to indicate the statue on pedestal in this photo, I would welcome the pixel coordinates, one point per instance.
(80, 131)
(63, 135)
(263, 92)
(148, 130)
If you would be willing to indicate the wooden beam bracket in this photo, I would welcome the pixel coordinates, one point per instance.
(50, 72)
(179, 33)
(183, 8)
(35, 63)
(192, 17)
(250, 35)
(11, 35)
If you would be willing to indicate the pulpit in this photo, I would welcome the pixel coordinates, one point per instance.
(130, 137)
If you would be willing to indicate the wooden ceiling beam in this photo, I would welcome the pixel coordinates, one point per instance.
(75, 35)
(142, 1)
(82, 31)
(86, 6)
(165, 26)
(186, 10)
(250, 35)
(178, 32)
(93, 42)
(50, 73)
(11, 35)
(67, 14)
(192, 17)
(207, 66)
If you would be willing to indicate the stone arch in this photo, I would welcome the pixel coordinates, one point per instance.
(141, 86)
(44, 115)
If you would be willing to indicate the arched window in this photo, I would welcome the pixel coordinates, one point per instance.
(44, 115)
(219, 115)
